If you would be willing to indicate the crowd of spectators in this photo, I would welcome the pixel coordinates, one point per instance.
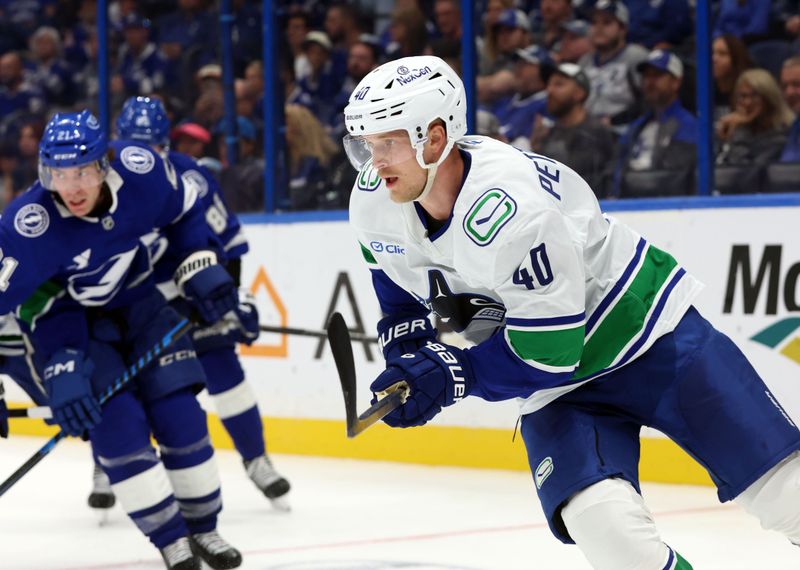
(605, 86)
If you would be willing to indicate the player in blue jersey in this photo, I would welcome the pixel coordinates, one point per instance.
(592, 327)
(75, 269)
(145, 120)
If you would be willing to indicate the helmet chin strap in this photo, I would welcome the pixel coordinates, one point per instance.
(431, 168)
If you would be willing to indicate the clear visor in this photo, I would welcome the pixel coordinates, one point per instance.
(69, 178)
(383, 150)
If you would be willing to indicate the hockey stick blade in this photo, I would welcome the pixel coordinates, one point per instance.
(342, 350)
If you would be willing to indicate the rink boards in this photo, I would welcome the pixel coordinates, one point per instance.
(302, 267)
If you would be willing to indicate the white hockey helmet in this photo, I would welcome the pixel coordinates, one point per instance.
(406, 94)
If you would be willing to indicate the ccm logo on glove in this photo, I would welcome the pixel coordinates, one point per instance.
(453, 365)
(59, 368)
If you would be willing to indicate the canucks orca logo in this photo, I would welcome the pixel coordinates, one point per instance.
(458, 310)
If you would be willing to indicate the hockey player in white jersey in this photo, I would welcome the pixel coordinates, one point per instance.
(586, 322)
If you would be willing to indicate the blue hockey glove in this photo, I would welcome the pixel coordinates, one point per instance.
(3, 412)
(207, 285)
(247, 313)
(67, 380)
(402, 333)
(438, 375)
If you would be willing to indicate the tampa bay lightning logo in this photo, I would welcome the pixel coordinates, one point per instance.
(458, 310)
(32, 220)
(137, 159)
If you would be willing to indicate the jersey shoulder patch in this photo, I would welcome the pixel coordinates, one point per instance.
(31, 220)
(488, 215)
(137, 159)
(194, 178)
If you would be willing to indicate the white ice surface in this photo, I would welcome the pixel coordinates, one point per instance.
(357, 515)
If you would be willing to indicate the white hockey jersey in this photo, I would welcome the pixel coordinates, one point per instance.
(554, 292)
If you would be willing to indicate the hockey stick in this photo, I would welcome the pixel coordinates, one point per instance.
(342, 350)
(41, 412)
(318, 334)
(131, 372)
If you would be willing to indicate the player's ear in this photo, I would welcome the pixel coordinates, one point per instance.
(437, 135)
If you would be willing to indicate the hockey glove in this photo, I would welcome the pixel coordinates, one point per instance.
(207, 285)
(402, 333)
(438, 375)
(3, 412)
(67, 380)
(247, 313)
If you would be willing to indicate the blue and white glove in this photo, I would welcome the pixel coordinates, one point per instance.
(438, 375)
(3, 412)
(402, 333)
(67, 380)
(207, 285)
(247, 313)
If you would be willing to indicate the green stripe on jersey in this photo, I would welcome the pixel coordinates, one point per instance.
(38, 302)
(682, 563)
(367, 254)
(552, 348)
(627, 318)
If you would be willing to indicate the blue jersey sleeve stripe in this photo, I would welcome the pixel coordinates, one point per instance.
(546, 322)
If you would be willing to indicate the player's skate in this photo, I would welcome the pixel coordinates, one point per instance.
(101, 497)
(215, 550)
(178, 555)
(274, 486)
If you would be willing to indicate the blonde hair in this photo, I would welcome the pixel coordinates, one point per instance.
(311, 139)
(776, 113)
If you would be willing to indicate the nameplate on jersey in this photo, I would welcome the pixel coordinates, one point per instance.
(488, 215)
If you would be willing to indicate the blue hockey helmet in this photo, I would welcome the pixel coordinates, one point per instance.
(143, 119)
(71, 139)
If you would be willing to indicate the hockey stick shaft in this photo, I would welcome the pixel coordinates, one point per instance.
(131, 372)
(317, 334)
(39, 412)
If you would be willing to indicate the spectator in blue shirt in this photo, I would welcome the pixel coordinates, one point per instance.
(47, 71)
(17, 96)
(362, 58)
(547, 30)
(321, 84)
(25, 16)
(141, 67)
(189, 33)
(245, 35)
(743, 18)
(574, 43)
(659, 24)
(343, 29)
(790, 83)
(518, 113)
(665, 137)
